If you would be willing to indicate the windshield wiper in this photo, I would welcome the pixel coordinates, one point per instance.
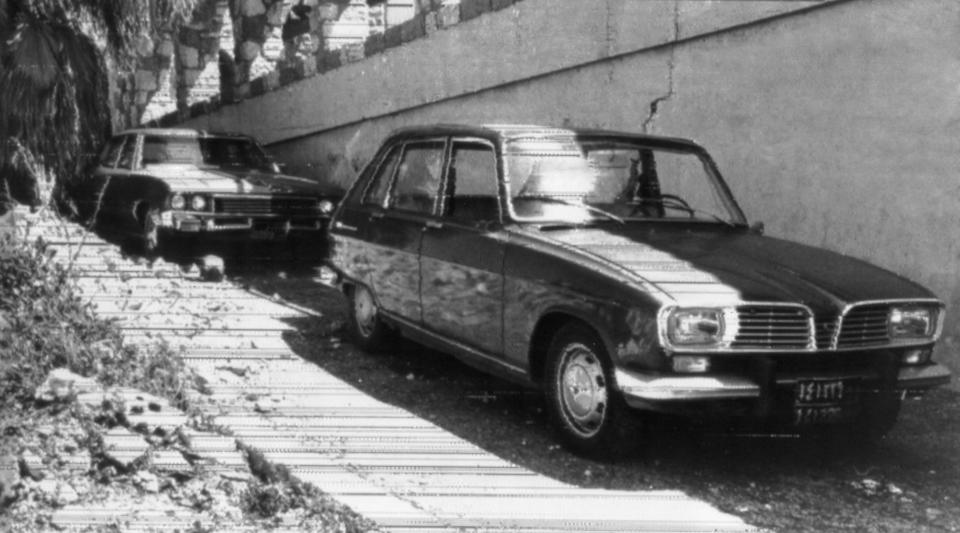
(681, 205)
(588, 207)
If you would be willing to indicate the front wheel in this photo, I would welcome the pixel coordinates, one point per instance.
(367, 328)
(149, 219)
(583, 402)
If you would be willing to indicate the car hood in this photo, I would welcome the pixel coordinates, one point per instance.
(699, 264)
(189, 178)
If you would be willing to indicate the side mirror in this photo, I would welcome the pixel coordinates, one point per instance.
(757, 227)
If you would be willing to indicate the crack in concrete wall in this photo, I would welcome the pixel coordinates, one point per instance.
(671, 65)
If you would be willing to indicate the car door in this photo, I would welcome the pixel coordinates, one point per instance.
(461, 259)
(378, 238)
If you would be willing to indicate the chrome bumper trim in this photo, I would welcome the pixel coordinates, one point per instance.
(923, 377)
(692, 387)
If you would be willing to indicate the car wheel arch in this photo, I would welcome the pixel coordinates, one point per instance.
(547, 327)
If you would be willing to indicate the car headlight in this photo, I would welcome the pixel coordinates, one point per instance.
(198, 203)
(177, 201)
(695, 326)
(325, 206)
(912, 322)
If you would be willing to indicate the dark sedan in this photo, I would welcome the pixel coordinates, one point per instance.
(156, 183)
(617, 273)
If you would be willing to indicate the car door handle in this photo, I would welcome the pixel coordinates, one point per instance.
(341, 225)
(435, 224)
(376, 214)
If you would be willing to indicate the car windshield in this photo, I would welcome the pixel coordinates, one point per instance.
(230, 152)
(572, 180)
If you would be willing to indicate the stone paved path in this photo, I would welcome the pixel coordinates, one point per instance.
(387, 464)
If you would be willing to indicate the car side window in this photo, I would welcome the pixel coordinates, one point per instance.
(128, 152)
(472, 191)
(380, 185)
(110, 153)
(417, 186)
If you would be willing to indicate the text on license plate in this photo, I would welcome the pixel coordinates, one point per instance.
(819, 392)
(818, 402)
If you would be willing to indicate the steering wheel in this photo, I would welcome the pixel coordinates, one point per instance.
(674, 201)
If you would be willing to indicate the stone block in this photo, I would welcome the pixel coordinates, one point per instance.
(373, 45)
(210, 45)
(352, 52)
(189, 76)
(254, 27)
(171, 462)
(275, 14)
(249, 50)
(330, 59)
(124, 447)
(9, 478)
(165, 48)
(272, 80)
(258, 86)
(308, 67)
(189, 57)
(431, 22)
(61, 384)
(393, 36)
(470, 9)
(32, 466)
(143, 46)
(290, 74)
(250, 8)
(190, 37)
(449, 15)
(328, 11)
(412, 29)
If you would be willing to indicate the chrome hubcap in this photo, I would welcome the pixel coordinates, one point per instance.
(365, 311)
(583, 390)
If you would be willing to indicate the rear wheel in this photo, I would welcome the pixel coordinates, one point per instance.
(583, 403)
(368, 330)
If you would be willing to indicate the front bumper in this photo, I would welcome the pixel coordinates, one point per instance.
(640, 389)
(266, 226)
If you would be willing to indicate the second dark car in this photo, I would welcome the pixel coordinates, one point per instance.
(151, 184)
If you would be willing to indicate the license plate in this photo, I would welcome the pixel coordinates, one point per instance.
(817, 402)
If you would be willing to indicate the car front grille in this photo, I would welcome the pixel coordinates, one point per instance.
(266, 206)
(785, 327)
(864, 325)
(771, 327)
(826, 328)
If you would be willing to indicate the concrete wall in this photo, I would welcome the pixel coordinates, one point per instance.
(836, 123)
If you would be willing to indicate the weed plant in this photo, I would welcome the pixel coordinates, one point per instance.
(45, 324)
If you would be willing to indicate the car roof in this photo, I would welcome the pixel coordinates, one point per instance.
(182, 132)
(532, 131)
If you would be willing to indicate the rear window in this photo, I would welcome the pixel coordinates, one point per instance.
(236, 152)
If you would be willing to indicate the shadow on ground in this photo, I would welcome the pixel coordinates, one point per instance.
(909, 482)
